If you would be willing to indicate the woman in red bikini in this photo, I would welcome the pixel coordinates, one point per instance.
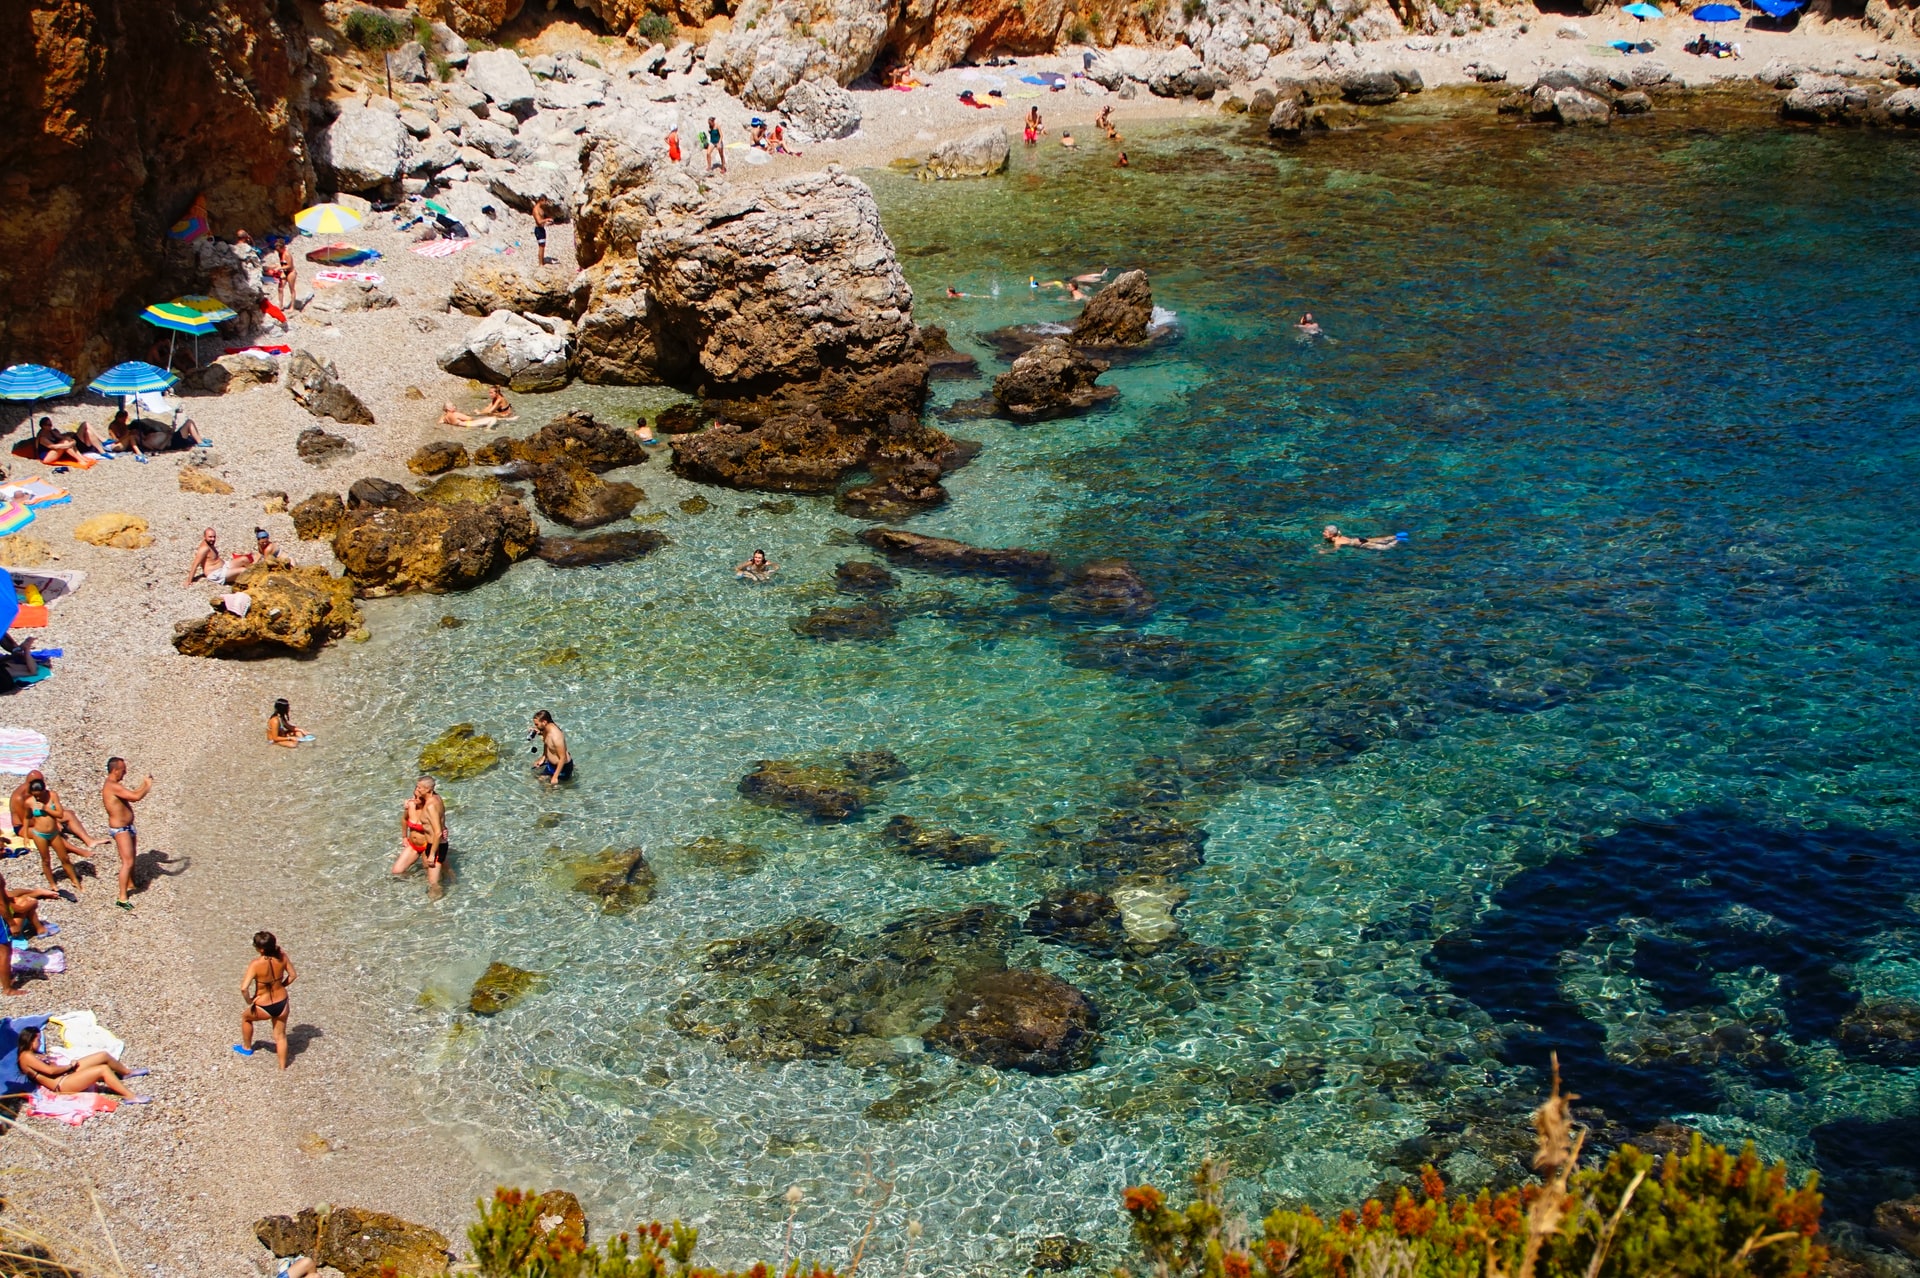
(265, 989)
(423, 834)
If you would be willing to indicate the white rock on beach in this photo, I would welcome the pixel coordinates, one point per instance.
(979, 154)
(362, 149)
(510, 350)
(505, 80)
(821, 110)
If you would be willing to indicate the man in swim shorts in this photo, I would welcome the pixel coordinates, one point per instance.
(118, 800)
(556, 765)
(542, 219)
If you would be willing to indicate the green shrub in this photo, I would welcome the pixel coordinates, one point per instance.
(442, 68)
(507, 1243)
(423, 30)
(1705, 1212)
(655, 27)
(367, 29)
(1191, 9)
(1078, 32)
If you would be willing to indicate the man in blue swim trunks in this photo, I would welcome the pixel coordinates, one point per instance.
(556, 765)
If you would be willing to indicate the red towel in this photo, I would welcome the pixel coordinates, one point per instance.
(273, 310)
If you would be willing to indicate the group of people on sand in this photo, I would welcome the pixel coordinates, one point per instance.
(55, 447)
(39, 817)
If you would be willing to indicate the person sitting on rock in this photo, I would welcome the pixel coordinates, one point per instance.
(207, 561)
(777, 140)
(757, 133)
(1335, 539)
(264, 545)
(756, 568)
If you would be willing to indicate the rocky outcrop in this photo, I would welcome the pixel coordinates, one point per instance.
(620, 879)
(490, 284)
(316, 387)
(1827, 99)
(1020, 1019)
(573, 439)
(362, 151)
(1086, 921)
(821, 110)
(906, 493)
(501, 75)
(939, 554)
(295, 612)
(573, 495)
(775, 44)
(437, 457)
(430, 548)
(316, 518)
(607, 548)
(118, 115)
(806, 453)
(1105, 590)
(943, 846)
(943, 361)
(859, 577)
(510, 350)
(981, 153)
(358, 1243)
(1121, 314)
(1051, 380)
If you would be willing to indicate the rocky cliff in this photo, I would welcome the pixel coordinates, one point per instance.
(120, 112)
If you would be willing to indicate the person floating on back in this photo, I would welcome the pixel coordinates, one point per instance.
(1335, 539)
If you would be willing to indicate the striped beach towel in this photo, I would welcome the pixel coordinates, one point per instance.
(21, 750)
(349, 277)
(440, 248)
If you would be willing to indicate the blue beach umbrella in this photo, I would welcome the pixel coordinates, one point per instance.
(1717, 13)
(1778, 8)
(132, 378)
(1643, 11)
(34, 381)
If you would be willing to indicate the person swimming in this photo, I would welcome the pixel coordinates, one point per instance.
(1309, 325)
(756, 568)
(1335, 539)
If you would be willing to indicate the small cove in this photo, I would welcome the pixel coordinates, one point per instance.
(1643, 400)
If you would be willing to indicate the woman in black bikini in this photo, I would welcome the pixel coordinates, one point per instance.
(97, 1070)
(264, 987)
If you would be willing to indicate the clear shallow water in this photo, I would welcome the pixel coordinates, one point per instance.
(1613, 757)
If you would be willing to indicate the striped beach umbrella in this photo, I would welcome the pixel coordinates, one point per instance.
(13, 517)
(326, 219)
(34, 381)
(132, 378)
(211, 307)
(180, 319)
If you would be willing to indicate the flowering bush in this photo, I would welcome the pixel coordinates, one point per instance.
(508, 1242)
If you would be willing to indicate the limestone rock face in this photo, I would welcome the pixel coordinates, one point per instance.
(318, 389)
(501, 75)
(1118, 315)
(469, 18)
(95, 171)
(362, 150)
(1021, 1019)
(981, 153)
(432, 548)
(775, 44)
(821, 109)
(510, 350)
(492, 284)
(295, 613)
(1051, 380)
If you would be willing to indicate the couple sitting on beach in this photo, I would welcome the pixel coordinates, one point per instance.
(208, 564)
(499, 409)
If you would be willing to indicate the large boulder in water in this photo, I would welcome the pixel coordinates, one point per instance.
(295, 612)
(432, 548)
(940, 554)
(980, 153)
(808, 453)
(573, 438)
(1118, 315)
(1051, 380)
(606, 548)
(510, 350)
(1019, 1019)
(578, 498)
(1105, 590)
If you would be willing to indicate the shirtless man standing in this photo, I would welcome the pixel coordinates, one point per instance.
(118, 800)
(556, 765)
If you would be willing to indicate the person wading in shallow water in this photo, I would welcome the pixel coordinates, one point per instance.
(423, 835)
(556, 765)
(264, 987)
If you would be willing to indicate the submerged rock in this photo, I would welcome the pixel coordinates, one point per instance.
(459, 753)
(724, 854)
(823, 793)
(1133, 655)
(1140, 846)
(868, 766)
(500, 987)
(1051, 380)
(1121, 314)
(1019, 1019)
(860, 577)
(295, 612)
(607, 548)
(865, 621)
(1058, 1253)
(1886, 1030)
(432, 548)
(899, 496)
(944, 846)
(939, 554)
(1146, 912)
(1106, 590)
(1086, 921)
(620, 879)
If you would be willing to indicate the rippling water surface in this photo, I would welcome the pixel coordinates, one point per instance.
(1613, 756)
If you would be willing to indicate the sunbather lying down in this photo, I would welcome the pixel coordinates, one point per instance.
(149, 436)
(98, 1070)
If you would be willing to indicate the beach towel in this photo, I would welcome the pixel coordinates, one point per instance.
(281, 349)
(52, 586)
(273, 310)
(72, 1110)
(239, 603)
(440, 248)
(349, 277)
(21, 750)
(30, 617)
(76, 1034)
(51, 962)
(25, 449)
(35, 493)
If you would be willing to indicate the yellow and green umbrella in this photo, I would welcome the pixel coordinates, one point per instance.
(326, 219)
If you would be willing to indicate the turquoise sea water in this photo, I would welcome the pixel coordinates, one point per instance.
(1613, 757)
